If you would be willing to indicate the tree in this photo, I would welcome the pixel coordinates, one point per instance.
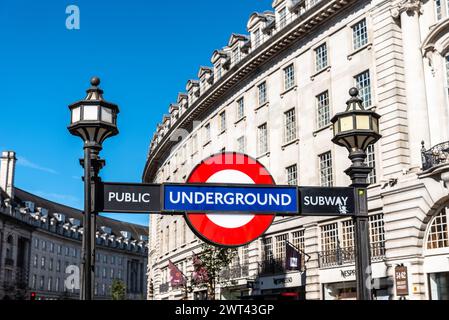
(118, 290)
(207, 268)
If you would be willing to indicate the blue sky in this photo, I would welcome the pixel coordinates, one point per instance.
(144, 52)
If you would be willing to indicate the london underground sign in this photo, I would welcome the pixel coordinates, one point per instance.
(233, 229)
(229, 199)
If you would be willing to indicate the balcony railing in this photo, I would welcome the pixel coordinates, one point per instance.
(435, 156)
(345, 256)
(235, 272)
(163, 288)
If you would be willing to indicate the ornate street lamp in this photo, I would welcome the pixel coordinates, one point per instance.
(356, 129)
(93, 120)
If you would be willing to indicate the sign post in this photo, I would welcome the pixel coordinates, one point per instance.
(401, 279)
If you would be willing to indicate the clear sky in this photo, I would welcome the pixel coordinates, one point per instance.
(144, 52)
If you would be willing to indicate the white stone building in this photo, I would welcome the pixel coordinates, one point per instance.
(272, 93)
(40, 247)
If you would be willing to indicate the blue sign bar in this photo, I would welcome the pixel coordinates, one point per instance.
(188, 198)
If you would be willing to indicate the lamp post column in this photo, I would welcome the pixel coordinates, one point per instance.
(358, 172)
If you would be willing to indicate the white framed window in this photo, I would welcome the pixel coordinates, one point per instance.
(326, 175)
(282, 17)
(321, 60)
(236, 55)
(241, 145)
(280, 246)
(57, 285)
(323, 109)
(245, 255)
(33, 281)
(329, 237)
(240, 108)
(41, 282)
(218, 71)
(262, 93)
(43, 263)
(371, 162)
(347, 234)
(267, 244)
(35, 260)
(289, 77)
(49, 284)
(289, 125)
(222, 118)
(207, 133)
(360, 34)
(438, 9)
(292, 175)
(438, 236)
(257, 38)
(298, 240)
(377, 235)
(363, 83)
(262, 138)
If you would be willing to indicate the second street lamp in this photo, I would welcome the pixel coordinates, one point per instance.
(93, 120)
(356, 129)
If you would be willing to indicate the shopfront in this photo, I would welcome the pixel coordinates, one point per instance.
(288, 286)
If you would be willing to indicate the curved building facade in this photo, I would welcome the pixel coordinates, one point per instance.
(271, 94)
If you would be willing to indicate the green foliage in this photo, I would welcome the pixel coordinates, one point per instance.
(118, 290)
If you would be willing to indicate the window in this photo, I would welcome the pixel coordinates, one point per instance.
(241, 147)
(33, 281)
(218, 71)
(35, 261)
(326, 178)
(323, 110)
(49, 284)
(50, 265)
(282, 18)
(347, 234)
(377, 235)
(207, 133)
(223, 121)
(112, 259)
(371, 162)
(257, 38)
(298, 240)
(52, 247)
(292, 175)
(44, 245)
(359, 34)
(36, 243)
(267, 249)
(59, 249)
(289, 77)
(119, 274)
(41, 283)
(262, 135)
(194, 143)
(321, 57)
(438, 232)
(236, 55)
(245, 255)
(104, 272)
(329, 237)
(74, 252)
(240, 108)
(57, 289)
(438, 9)
(58, 266)
(363, 83)
(43, 263)
(262, 93)
(112, 273)
(289, 126)
(280, 246)
(105, 258)
(66, 249)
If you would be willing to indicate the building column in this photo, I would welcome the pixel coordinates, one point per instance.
(417, 113)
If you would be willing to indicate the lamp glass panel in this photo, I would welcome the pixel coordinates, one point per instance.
(90, 113)
(376, 125)
(106, 115)
(362, 122)
(346, 124)
(76, 114)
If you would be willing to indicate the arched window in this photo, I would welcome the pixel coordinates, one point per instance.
(438, 236)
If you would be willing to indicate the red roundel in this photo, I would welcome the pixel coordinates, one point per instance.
(230, 229)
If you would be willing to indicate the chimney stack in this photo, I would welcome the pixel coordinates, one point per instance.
(7, 168)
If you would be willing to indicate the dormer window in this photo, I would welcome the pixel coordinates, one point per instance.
(257, 38)
(218, 71)
(236, 55)
(282, 18)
